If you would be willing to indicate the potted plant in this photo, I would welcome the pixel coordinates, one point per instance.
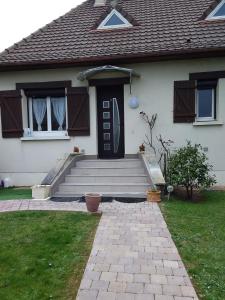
(154, 195)
(76, 150)
(92, 201)
(142, 148)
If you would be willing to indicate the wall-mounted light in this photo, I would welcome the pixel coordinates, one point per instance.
(133, 102)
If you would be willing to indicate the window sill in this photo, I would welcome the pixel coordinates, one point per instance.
(44, 138)
(208, 123)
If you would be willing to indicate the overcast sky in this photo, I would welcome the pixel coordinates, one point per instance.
(19, 18)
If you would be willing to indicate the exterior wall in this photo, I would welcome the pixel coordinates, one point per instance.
(27, 162)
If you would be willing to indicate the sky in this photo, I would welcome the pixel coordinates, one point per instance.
(19, 18)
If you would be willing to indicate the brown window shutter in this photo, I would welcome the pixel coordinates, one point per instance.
(184, 101)
(78, 111)
(11, 114)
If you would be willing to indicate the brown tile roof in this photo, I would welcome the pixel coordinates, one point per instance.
(161, 28)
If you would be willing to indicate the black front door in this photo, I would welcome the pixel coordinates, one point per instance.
(110, 108)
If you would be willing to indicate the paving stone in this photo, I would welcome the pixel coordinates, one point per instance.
(126, 261)
(106, 296)
(171, 264)
(125, 277)
(108, 276)
(153, 289)
(125, 296)
(132, 268)
(158, 262)
(144, 297)
(188, 291)
(117, 287)
(90, 267)
(164, 297)
(135, 288)
(173, 290)
(92, 275)
(145, 278)
(148, 269)
(87, 295)
(180, 272)
(159, 279)
(85, 284)
(101, 267)
(117, 268)
(101, 285)
(183, 298)
(178, 280)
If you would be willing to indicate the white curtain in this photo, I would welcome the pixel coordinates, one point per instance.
(59, 110)
(39, 108)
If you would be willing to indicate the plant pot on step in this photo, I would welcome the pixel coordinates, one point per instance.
(154, 196)
(92, 201)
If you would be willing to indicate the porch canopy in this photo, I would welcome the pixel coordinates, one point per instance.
(85, 75)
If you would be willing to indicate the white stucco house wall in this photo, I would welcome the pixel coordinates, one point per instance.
(46, 67)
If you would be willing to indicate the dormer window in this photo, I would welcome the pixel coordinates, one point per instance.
(114, 20)
(218, 12)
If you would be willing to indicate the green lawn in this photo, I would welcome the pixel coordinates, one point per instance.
(198, 230)
(15, 193)
(43, 254)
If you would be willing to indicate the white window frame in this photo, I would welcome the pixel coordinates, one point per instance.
(211, 15)
(205, 119)
(114, 11)
(49, 132)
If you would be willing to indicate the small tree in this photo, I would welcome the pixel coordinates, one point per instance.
(165, 152)
(150, 121)
(189, 167)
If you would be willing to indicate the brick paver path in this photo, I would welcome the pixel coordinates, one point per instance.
(133, 256)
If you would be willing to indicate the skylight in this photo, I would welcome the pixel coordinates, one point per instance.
(114, 20)
(218, 12)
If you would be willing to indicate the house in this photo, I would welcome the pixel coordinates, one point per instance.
(83, 79)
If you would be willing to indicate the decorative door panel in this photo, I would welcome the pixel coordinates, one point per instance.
(110, 121)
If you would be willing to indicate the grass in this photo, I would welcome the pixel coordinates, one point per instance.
(15, 193)
(43, 254)
(198, 230)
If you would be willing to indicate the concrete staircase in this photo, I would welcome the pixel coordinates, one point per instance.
(120, 177)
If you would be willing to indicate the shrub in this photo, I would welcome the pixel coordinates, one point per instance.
(189, 168)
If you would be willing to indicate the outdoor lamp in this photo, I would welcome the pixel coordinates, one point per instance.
(133, 102)
(170, 189)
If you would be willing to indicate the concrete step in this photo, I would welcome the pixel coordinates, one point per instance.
(104, 194)
(81, 188)
(106, 179)
(117, 163)
(99, 171)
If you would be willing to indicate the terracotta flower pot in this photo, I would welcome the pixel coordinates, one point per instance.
(154, 196)
(92, 201)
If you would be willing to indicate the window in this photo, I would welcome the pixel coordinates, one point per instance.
(106, 115)
(195, 100)
(106, 125)
(107, 147)
(206, 101)
(106, 104)
(218, 12)
(106, 136)
(47, 115)
(114, 20)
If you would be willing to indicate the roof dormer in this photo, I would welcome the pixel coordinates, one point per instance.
(114, 20)
(218, 12)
